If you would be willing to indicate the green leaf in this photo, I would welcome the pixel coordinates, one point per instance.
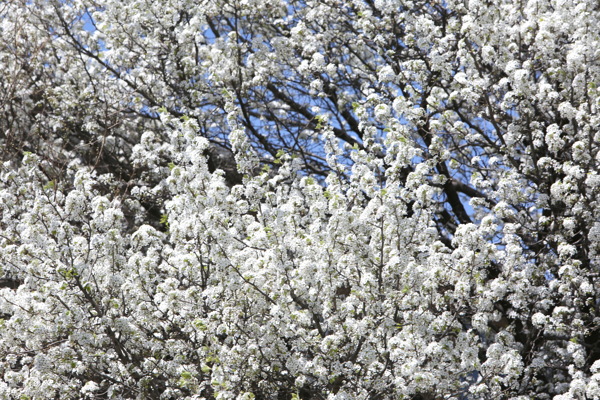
(164, 219)
(320, 121)
(200, 325)
(186, 375)
(213, 359)
(225, 92)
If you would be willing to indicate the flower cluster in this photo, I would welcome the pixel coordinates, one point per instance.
(288, 199)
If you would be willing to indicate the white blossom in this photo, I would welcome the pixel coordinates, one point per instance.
(316, 199)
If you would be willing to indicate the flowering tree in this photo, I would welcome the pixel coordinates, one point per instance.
(281, 199)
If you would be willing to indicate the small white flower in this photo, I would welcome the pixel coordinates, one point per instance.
(382, 111)
(386, 74)
(318, 61)
(90, 387)
(538, 320)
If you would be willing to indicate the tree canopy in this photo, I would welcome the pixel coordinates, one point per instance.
(299, 199)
